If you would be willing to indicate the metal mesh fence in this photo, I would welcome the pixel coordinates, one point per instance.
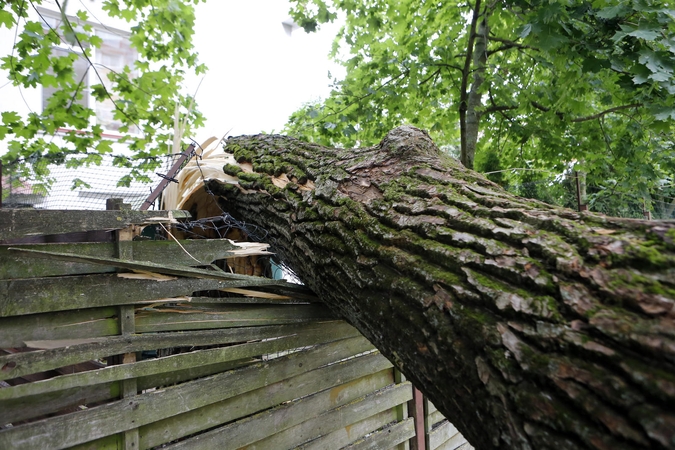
(561, 191)
(88, 187)
(82, 188)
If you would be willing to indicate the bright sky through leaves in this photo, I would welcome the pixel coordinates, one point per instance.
(258, 75)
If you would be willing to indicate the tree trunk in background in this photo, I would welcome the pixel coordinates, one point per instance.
(527, 325)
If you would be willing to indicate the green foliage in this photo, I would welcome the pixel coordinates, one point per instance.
(146, 95)
(562, 85)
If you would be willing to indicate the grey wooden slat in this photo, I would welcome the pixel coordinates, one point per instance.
(25, 408)
(84, 323)
(20, 364)
(347, 435)
(434, 418)
(162, 268)
(387, 437)
(16, 223)
(29, 407)
(321, 420)
(40, 295)
(440, 434)
(455, 442)
(249, 431)
(72, 429)
(364, 374)
(256, 300)
(15, 266)
(430, 407)
(167, 319)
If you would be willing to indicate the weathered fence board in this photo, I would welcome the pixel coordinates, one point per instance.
(370, 370)
(143, 344)
(250, 430)
(151, 267)
(206, 251)
(65, 431)
(387, 437)
(39, 295)
(64, 353)
(351, 433)
(305, 419)
(82, 324)
(236, 316)
(28, 363)
(455, 442)
(15, 223)
(440, 434)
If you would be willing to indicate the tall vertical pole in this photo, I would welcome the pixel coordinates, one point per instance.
(582, 206)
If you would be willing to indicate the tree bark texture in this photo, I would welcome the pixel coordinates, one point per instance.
(527, 325)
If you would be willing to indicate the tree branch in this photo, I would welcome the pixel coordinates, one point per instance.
(511, 44)
(543, 108)
(497, 108)
(607, 111)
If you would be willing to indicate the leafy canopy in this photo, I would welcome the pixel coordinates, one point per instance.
(550, 84)
(147, 95)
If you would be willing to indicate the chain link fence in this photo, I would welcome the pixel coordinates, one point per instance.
(88, 186)
(77, 188)
(562, 191)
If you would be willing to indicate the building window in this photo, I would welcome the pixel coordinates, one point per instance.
(111, 57)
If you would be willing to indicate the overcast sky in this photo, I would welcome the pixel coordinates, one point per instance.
(258, 75)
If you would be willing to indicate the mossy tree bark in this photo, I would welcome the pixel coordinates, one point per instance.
(527, 325)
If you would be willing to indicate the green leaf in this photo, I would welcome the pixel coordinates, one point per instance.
(7, 19)
(525, 31)
(613, 11)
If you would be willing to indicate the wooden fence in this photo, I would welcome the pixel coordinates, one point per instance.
(137, 344)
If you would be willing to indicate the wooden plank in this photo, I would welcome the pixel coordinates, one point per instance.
(40, 295)
(66, 431)
(19, 409)
(327, 421)
(249, 432)
(453, 443)
(164, 268)
(68, 353)
(29, 407)
(351, 433)
(162, 380)
(275, 300)
(186, 318)
(20, 364)
(387, 437)
(434, 418)
(85, 323)
(464, 446)
(204, 250)
(16, 223)
(440, 434)
(363, 374)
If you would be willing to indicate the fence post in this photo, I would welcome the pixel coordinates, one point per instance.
(416, 411)
(402, 409)
(580, 199)
(127, 321)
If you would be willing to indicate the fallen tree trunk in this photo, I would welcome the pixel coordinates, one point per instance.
(527, 325)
